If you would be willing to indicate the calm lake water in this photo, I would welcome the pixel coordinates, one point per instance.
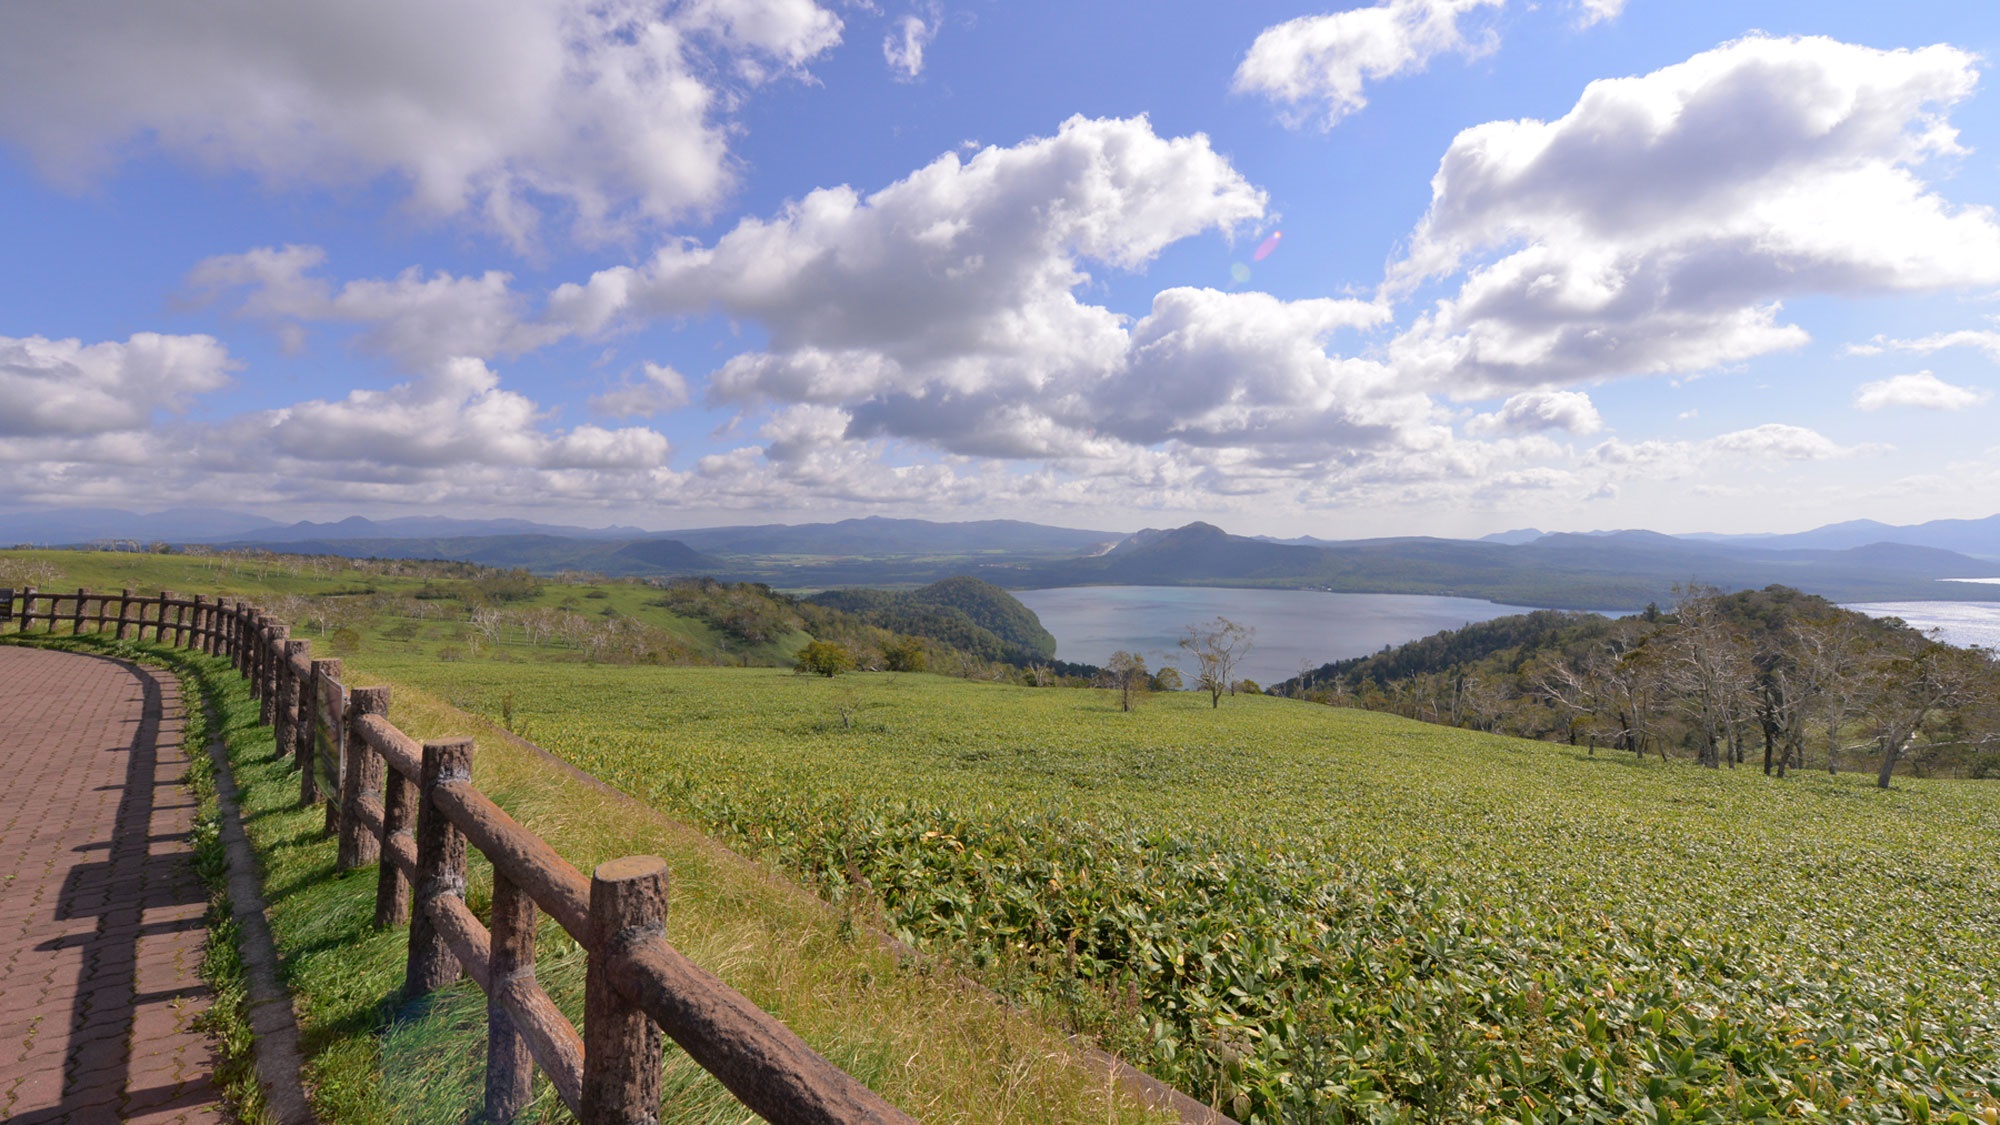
(1958, 623)
(1294, 627)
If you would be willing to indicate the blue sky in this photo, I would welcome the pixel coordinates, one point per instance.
(1572, 264)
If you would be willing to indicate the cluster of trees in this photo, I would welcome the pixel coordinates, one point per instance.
(974, 617)
(1774, 674)
(751, 612)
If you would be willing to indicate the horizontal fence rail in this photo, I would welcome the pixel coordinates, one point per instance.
(409, 808)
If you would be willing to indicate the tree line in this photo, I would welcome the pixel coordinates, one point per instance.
(1774, 675)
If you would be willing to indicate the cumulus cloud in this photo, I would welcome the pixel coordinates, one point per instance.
(903, 48)
(419, 320)
(459, 416)
(944, 306)
(658, 390)
(605, 111)
(1778, 441)
(1658, 226)
(1921, 389)
(69, 388)
(1533, 411)
(1327, 61)
(1987, 342)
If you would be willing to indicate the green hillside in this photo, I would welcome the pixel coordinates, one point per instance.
(1308, 913)
(966, 613)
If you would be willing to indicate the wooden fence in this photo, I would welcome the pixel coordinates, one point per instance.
(412, 810)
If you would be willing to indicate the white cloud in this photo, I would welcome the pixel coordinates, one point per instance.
(1533, 411)
(1657, 227)
(1778, 441)
(955, 286)
(459, 416)
(1328, 60)
(419, 320)
(604, 111)
(1921, 389)
(68, 388)
(1987, 342)
(1589, 13)
(903, 48)
(659, 389)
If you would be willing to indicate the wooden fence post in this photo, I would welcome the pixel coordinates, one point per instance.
(239, 640)
(103, 607)
(270, 641)
(253, 664)
(197, 639)
(510, 1068)
(124, 611)
(284, 732)
(399, 817)
(159, 619)
(301, 748)
(322, 671)
(621, 1044)
(440, 869)
(76, 621)
(180, 622)
(362, 774)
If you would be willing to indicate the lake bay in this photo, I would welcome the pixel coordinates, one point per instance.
(1295, 628)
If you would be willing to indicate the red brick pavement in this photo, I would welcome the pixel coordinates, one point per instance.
(100, 906)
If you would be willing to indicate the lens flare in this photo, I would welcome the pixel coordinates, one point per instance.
(1239, 273)
(1269, 244)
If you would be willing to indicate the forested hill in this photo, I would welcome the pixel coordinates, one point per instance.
(966, 613)
(1788, 677)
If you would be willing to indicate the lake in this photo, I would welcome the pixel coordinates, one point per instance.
(1957, 623)
(1295, 628)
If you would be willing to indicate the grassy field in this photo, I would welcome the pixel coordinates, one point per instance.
(940, 1051)
(1308, 914)
(1305, 913)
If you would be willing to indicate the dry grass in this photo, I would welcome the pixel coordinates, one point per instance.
(940, 1050)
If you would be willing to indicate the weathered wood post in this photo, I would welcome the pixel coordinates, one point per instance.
(323, 671)
(510, 1068)
(284, 732)
(76, 620)
(239, 637)
(180, 621)
(621, 1044)
(253, 665)
(440, 869)
(124, 612)
(159, 619)
(361, 775)
(270, 641)
(301, 748)
(197, 636)
(103, 607)
(27, 607)
(399, 818)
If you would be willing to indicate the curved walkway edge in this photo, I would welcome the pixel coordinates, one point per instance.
(275, 1044)
(100, 907)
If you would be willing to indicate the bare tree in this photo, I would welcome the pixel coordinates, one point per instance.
(1829, 659)
(1918, 683)
(1706, 668)
(1217, 648)
(1129, 677)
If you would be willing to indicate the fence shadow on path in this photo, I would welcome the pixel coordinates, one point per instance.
(135, 981)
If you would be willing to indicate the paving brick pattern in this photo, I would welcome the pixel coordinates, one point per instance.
(100, 906)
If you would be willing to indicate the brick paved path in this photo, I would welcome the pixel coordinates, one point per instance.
(100, 907)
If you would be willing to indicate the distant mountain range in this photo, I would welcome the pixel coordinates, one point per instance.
(1619, 570)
